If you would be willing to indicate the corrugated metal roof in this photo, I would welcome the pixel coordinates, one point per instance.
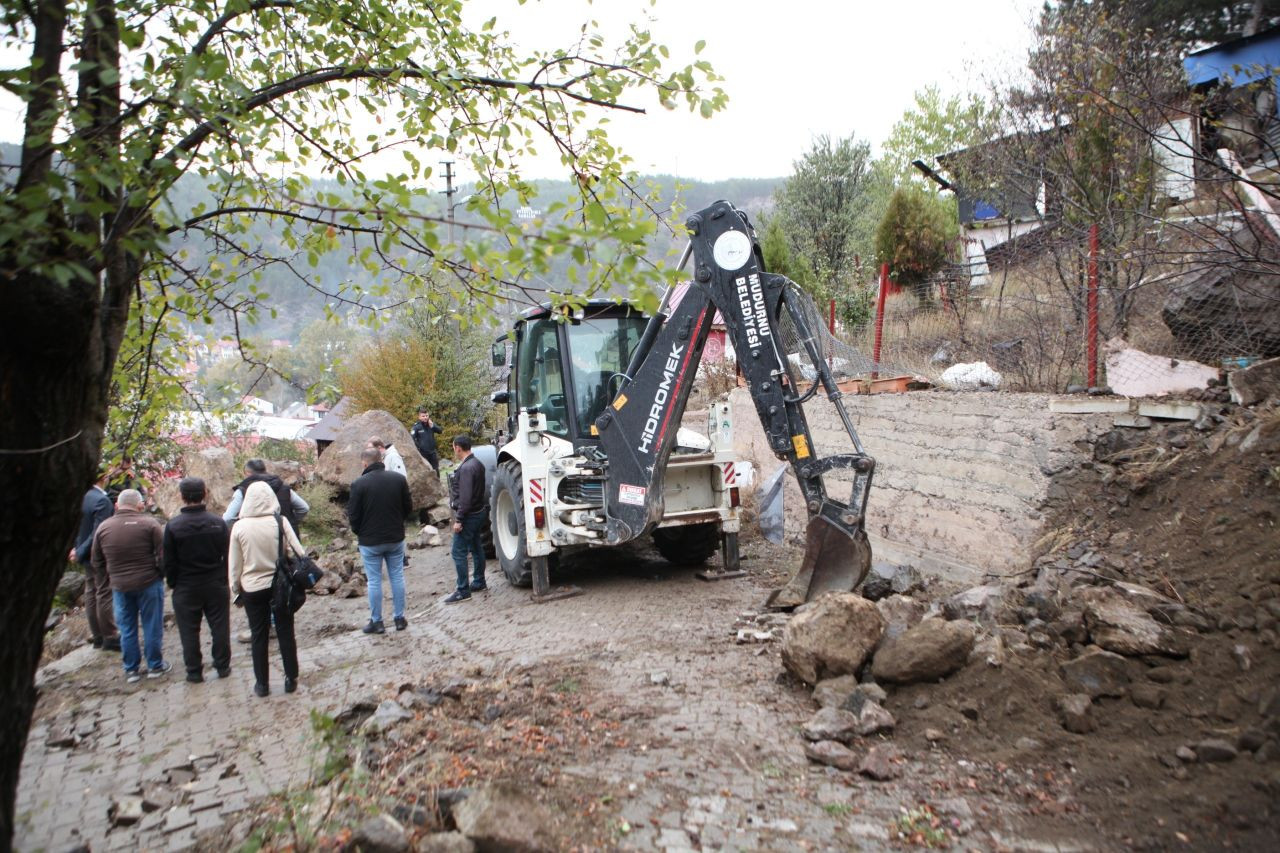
(1245, 59)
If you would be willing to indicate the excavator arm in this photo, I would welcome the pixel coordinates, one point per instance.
(637, 430)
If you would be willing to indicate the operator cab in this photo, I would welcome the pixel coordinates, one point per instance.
(568, 365)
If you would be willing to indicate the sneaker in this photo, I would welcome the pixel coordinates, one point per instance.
(458, 596)
(261, 689)
(225, 672)
(401, 623)
(133, 677)
(165, 666)
(479, 586)
(195, 677)
(374, 627)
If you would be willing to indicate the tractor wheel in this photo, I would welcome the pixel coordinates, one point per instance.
(506, 519)
(690, 545)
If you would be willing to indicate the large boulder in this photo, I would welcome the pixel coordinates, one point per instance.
(931, 650)
(214, 465)
(340, 464)
(503, 817)
(831, 636)
(1222, 307)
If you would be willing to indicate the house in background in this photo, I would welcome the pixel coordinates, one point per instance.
(1231, 105)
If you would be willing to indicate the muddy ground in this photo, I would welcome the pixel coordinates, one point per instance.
(659, 730)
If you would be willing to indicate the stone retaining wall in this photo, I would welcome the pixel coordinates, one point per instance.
(963, 479)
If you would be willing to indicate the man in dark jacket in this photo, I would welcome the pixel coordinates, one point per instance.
(292, 507)
(195, 567)
(424, 434)
(379, 504)
(470, 515)
(95, 509)
(127, 548)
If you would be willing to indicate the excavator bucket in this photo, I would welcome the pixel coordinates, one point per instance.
(835, 559)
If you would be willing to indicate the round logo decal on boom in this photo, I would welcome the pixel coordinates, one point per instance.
(732, 250)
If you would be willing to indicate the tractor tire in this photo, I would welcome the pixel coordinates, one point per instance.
(486, 542)
(690, 545)
(506, 520)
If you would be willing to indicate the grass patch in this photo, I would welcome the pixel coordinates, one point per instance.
(325, 514)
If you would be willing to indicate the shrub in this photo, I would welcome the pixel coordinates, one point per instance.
(915, 236)
(446, 370)
(326, 513)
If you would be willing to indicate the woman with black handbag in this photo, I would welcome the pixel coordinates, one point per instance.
(258, 543)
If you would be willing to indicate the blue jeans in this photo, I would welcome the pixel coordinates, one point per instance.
(467, 541)
(148, 603)
(373, 555)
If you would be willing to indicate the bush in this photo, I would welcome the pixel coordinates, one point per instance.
(326, 513)
(443, 369)
(915, 237)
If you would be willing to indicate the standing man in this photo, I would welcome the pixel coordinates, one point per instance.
(424, 434)
(379, 504)
(470, 514)
(95, 509)
(292, 507)
(391, 457)
(195, 567)
(127, 548)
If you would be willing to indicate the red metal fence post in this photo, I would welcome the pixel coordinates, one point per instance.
(875, 353)
(1091, 343)
(831, 318)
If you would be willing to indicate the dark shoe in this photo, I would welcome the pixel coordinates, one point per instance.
(290, 685)
(165, 666)
(375, 627)
(225, 672)
(261, 689)
(401, 623)
(195, 677)
(479, 586)
(97, 642)
(133, 676)
(459, 596)
(110, 645)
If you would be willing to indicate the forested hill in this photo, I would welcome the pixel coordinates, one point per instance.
(299, 304)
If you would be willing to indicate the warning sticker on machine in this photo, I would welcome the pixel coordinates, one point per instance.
(633, 495)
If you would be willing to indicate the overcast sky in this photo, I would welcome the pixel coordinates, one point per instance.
(793, 70)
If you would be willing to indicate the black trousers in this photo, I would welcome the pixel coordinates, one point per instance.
(210, 601)
(257, 607)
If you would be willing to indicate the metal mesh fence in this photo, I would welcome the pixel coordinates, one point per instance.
(1204, 289)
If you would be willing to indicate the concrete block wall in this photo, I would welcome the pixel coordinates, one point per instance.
(963, 479)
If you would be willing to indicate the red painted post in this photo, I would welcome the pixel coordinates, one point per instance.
(884, 288)
(831, 318)
(1091, 332)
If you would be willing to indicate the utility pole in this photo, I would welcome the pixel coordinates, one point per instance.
(448, 193)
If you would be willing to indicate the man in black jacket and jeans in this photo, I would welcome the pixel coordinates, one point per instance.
(195, 568)
(470, 515)
(379, 504)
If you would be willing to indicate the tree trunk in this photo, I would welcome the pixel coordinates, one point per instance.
(53, 393)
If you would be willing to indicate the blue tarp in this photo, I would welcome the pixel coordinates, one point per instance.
(1242, 60)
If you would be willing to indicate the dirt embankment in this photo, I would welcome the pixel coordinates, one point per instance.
(1184, 747)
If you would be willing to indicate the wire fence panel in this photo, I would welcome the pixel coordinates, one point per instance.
(1206, 289)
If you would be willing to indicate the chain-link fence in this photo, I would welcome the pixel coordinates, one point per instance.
(1203, 289)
